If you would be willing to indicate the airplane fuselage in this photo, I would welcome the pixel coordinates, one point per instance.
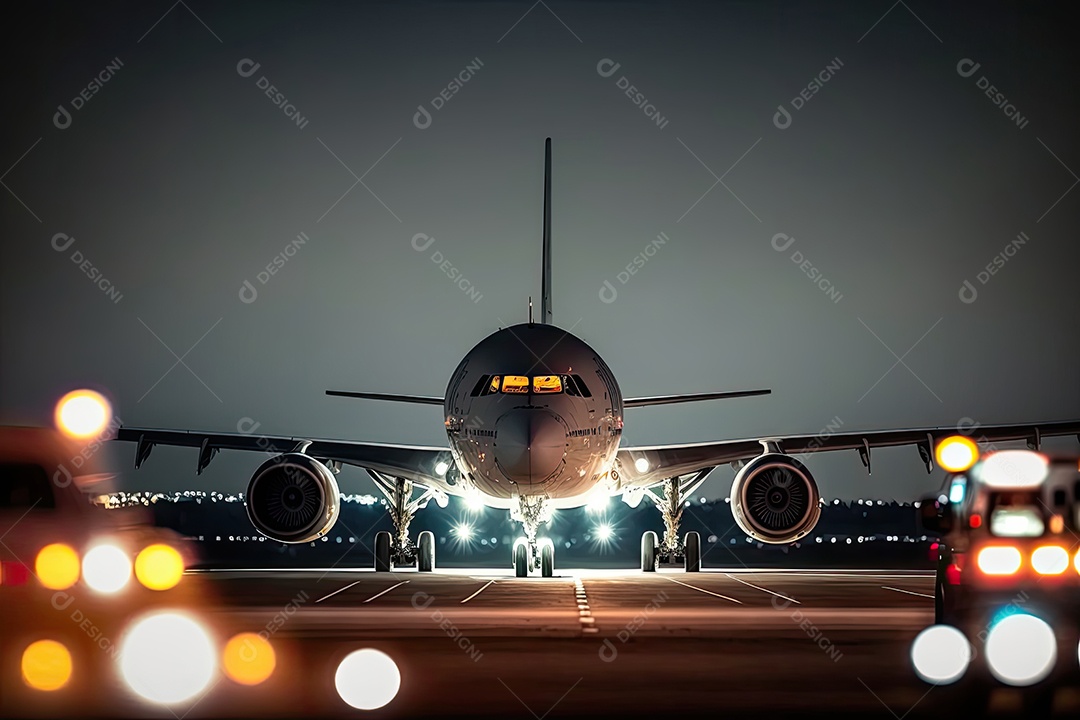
(532, 410)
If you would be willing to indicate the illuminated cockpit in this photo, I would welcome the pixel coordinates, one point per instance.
(572, 385)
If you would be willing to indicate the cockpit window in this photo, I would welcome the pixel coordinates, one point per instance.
(547, 384)
(515, 384)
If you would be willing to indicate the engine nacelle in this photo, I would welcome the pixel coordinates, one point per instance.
(293, 498)
(775, 500)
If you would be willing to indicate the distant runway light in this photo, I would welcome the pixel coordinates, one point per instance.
(167, 658)
(641, 465)
(367, 679)
(941, 654)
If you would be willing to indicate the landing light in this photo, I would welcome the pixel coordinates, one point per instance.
(956, 453)
(464, 531)
(598, 501)
(367, 679)
(641, 465)
(441, 467)
(473, 500)
(604, 532)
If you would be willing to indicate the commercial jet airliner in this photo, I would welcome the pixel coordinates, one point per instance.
(534, 419)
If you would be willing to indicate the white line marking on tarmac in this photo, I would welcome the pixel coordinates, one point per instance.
(756, 587)
(337, 591)
(477, 592)
(909, 592)
(379, 595)
(707, 592)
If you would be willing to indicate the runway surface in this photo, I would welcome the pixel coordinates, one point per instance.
(587, 643)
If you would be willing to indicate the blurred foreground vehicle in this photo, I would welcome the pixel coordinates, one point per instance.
(97, 610)
(1007, 586)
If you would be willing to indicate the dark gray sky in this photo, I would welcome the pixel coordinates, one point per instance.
(898, 179)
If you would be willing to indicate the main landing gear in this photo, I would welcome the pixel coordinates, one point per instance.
(670, 551)
(397, 549)
(531, 553)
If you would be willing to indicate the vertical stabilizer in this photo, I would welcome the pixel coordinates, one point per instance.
(545, 276)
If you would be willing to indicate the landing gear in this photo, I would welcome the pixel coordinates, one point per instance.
(397, 549)
(648, 551)
(530, 553)
(671, 550)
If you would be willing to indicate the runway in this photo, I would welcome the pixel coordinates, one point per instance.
(482, 643)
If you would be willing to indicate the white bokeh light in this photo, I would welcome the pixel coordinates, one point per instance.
(367, 679)
(941, 654)
(106, 568)
(1021, 650)
(167, 658)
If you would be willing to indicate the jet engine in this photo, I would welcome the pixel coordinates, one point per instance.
(774, 499)
(293, 498)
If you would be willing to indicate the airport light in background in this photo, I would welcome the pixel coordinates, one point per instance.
(82, 414)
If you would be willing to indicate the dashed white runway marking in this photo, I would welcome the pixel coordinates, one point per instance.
(707, 592)
(757, 587)
(908, 592)
(477, 592)
(336, 592)
(379, 595)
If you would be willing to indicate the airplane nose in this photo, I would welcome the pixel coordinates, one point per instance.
(529, 444)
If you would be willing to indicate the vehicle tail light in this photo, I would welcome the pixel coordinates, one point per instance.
(13, 573)
(998, 560)
(1050, 560)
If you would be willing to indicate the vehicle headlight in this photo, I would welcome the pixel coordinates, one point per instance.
(106, 568)
(998, 560)
(46, 665)
(57, 566)
(167, 658)
(159, 567)
(1050, 560)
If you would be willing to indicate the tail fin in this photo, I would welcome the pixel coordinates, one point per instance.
(545, 276)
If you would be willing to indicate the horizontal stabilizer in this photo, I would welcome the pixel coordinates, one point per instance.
(418, 399)
(672, 399)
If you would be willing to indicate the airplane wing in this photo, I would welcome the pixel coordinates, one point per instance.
(672, 399)
(412, 462)
(416, 399)
(673, 460)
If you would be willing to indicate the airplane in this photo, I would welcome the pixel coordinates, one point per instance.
(534, 419)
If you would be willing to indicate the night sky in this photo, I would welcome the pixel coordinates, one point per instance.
(133, 219)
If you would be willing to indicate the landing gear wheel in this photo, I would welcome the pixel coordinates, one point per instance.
(382, 551)
(521, 559)
(648, 551)
(692, 552)
(547, 559)
(425, 557)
